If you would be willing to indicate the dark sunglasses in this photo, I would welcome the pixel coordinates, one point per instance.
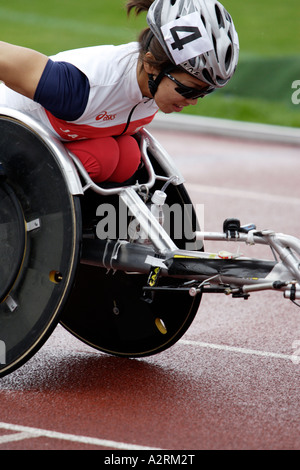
(188, 92)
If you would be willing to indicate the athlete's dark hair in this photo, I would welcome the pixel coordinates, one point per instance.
(147, 40)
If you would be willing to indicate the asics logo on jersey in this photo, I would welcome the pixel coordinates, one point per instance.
(104, 116)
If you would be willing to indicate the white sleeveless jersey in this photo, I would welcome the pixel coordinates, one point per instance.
(114, 93)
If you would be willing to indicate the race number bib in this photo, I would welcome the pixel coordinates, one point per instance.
(186, 38)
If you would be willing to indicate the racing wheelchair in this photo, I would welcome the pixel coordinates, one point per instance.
(112, 263)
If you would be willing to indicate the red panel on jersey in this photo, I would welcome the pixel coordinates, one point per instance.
(70, 131)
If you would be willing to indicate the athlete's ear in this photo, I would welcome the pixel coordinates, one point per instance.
(150, 69)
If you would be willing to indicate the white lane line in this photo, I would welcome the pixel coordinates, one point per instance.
(243, 194)
(221, 347)
(19, 436)
(29, 432)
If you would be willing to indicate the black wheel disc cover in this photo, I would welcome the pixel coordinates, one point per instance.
(12, 241)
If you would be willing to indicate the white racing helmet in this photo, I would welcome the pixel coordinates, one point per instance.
(198, 36)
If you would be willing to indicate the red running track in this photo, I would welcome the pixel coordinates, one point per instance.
(232, 382)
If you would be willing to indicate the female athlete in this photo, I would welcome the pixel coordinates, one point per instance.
(95, 99)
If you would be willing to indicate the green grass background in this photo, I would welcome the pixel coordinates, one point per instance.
(269, 32)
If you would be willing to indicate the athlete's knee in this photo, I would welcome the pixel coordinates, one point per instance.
(108, 158)
(129, 159)
(99, 157)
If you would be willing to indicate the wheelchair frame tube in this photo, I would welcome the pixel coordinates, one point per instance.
(286, 246)
(230, 276)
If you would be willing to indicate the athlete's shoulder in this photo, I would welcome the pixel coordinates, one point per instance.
(101, 64)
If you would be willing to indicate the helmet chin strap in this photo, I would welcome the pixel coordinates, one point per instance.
(153, 83)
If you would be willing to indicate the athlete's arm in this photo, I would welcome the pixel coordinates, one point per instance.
(59, 87)
(63, 90)
(21, 68)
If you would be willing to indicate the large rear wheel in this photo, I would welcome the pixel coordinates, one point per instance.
(40, 233)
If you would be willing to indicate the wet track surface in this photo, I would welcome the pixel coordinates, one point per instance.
(232, 382)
